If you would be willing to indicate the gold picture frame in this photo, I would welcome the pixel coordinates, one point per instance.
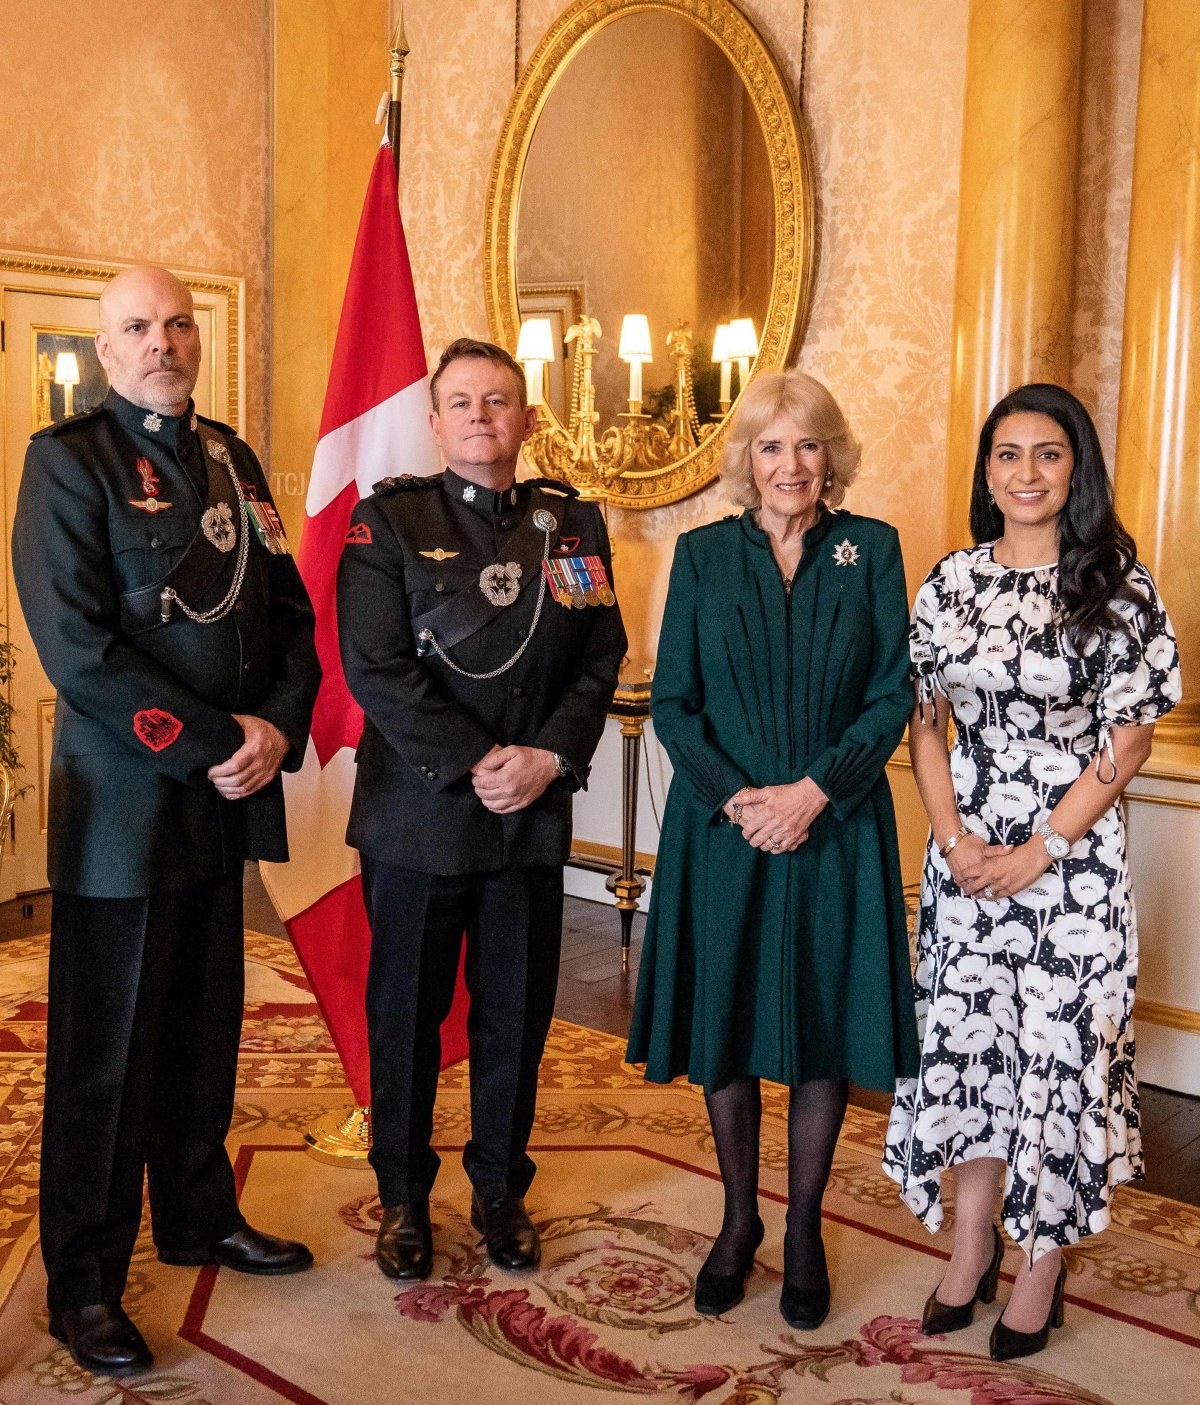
(793, 188)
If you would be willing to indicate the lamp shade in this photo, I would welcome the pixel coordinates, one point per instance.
(743, 338)
(635, 338)
(720, 347)
(66, 368)
(536, 342)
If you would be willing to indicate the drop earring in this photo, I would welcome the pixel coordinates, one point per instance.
(829, 480)
(991, 496)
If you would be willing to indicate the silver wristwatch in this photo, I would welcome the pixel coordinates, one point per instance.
(562, 765)
(1056, 846)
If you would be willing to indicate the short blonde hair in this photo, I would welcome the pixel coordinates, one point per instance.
(812, 410)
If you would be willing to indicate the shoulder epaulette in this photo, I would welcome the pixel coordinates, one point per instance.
(216, 424)
(405, 483)
(554, 485)
(65, 426)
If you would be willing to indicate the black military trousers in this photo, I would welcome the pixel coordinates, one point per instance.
(141, 1060)
(513, 925)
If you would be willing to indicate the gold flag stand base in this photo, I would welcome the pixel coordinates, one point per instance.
(341, 1137)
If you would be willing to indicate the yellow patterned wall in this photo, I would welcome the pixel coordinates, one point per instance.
(143, 132)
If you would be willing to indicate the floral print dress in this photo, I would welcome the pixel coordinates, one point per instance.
(1024, 1004)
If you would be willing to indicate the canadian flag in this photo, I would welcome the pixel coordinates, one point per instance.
(375, 423)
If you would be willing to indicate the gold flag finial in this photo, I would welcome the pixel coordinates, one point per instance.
(398, 52)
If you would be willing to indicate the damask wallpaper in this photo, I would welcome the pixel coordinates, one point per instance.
(143, 132)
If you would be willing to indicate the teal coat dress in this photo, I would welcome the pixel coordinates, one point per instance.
(785, 966)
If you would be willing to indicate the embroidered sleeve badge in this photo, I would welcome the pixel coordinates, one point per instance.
(156, 729)
(359, 535)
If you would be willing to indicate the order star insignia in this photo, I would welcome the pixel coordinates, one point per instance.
(152, 422)
(846, 553)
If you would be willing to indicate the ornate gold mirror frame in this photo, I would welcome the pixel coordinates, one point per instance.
(790, 161)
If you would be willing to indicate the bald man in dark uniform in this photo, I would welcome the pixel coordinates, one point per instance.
(168, 614)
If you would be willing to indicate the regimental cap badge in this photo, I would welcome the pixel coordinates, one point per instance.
(846, 553)
(501, 581)
(152, 422)
(217, 526)
(218, 451)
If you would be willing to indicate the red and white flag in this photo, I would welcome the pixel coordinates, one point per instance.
(375, 423)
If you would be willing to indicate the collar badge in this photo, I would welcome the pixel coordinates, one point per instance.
(192, 424)
(469, 493)
(152, 422)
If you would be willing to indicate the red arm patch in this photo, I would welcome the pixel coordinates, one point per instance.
(359, 535)
(156, 729)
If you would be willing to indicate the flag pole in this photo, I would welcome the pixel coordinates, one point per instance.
(343, 1137)
(397, 55)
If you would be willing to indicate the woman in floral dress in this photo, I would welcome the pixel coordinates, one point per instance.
(1047, 645)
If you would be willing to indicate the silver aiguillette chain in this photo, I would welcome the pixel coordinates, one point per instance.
(545, 520)
(218, 612)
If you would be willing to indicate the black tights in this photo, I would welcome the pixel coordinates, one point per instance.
(815, 1113)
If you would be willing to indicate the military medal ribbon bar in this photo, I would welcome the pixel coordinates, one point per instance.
(578, 581)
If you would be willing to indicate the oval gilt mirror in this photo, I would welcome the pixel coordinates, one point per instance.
(651, 163)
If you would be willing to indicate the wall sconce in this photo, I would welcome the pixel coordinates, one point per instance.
(743, 347)
(635, 349)
(66, 374)
(535, 348)
(723, 357)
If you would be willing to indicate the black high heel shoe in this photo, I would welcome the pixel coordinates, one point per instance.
(718, 1292)
(806, 1306)
(1007, 1344)
(940, 1317)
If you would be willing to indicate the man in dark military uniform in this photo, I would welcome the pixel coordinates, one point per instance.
(480, 634)
(167, 613)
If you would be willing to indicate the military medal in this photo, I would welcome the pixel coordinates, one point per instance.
(501, 582)
(600, 581)
(578, 581)
(217, 526)
(267, 526)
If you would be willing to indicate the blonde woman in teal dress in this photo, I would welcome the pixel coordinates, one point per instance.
(776, 945)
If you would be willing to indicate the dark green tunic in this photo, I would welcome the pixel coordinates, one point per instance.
(785, 966)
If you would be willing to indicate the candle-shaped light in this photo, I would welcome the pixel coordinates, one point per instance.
(635, 348)
(535, 347)
(743, 347)
(721, 356)
(66, 374)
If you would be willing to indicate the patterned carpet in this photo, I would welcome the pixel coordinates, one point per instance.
(626, 1199)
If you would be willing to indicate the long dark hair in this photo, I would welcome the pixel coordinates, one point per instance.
(1095, 552)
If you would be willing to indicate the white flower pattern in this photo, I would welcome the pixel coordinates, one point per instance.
(1024, 1005)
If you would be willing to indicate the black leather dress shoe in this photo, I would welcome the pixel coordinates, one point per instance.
(101, 1338)
(718, 1292)
(404, 1244)
(805, 1306)
(940, 1317)
(511, 1239)
(246, 1251)
(1007, 1344)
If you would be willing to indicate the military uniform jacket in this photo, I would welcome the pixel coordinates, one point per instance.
(412, 545)
(109, 503)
